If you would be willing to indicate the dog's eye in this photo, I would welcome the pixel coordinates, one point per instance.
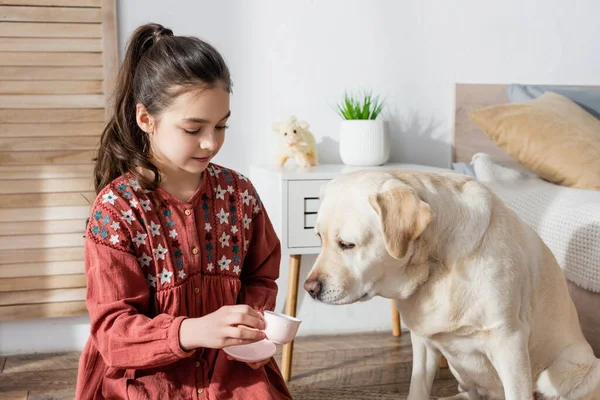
(345, 245)
(284, 133)
(295, 131)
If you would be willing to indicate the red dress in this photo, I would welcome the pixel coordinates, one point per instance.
(152, 261)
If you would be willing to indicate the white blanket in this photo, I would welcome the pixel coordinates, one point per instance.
(567, 219)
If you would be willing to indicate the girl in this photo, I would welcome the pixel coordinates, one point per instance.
(181, 258)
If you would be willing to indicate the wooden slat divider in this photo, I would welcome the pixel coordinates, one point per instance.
(46, 310)
(46, 241)
(51, 44)
(23, 59)
(43, 227)
(46, 199)
(52, 3)
(41, 296)
(41, 255)
(46, 186)
(41, 29)
(44, 213)
(51, 129)
(51, 74)
(8, 101)
(19, 172)
(42, 269)
(58, 64)
(48, 143)
(50, 87)
(42, 282)
(49, 14)
(46, 157)
(53, 115)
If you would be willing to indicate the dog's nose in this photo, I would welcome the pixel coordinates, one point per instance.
(313, 287)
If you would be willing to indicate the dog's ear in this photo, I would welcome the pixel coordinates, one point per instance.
(404, 217)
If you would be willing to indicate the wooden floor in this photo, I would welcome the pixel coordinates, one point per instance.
(371, 361)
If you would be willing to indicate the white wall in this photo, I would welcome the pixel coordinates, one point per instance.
(298, 57)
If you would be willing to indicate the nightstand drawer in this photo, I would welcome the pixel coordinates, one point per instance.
(303, 204)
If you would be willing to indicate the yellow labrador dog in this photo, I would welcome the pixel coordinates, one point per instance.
(472, 283)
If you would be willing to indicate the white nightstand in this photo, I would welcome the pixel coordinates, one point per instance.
(291, 197)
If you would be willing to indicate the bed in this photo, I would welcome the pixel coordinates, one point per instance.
(566, 215)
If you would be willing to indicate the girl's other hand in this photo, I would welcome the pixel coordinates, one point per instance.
(228, 326)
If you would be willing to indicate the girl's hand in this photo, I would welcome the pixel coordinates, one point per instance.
(228, 326)
(253, 365)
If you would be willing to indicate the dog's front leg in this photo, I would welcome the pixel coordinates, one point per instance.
(426, 361)
(509, 355)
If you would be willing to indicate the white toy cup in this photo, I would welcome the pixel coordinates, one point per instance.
(280, 328)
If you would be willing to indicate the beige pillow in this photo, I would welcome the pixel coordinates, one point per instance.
(550, 135)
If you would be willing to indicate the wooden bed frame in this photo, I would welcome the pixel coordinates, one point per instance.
(468, 138)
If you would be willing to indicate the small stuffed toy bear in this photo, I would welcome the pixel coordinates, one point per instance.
(296, 141)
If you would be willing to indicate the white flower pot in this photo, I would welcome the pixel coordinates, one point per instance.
(364, 142)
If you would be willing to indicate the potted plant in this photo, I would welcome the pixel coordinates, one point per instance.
(364, 140)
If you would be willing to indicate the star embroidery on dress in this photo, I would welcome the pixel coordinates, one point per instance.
(246, 243)
(236, 269)
(145, 204)
(246, 221)
(133, 203)
(128, 216)
(109, 198)
(135, 185)
(151, 280)
(114, 239)
(242, 177)
(224, 239)
(154, 229)
(173, 233)
(222, 215)
(234, 229)
(181, 274)
(160, 252)
(115, 225)
(224, 263)
(256, 210)
(216, 171)
(220, 193)
(207, 227)
(145, 260)
(140, 239)
(165, 276)
(210, 267)
(246, 197)
(230, 189)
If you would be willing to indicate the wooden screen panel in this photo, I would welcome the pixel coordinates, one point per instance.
(58, 64)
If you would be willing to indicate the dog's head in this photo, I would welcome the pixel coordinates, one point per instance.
(368, 223)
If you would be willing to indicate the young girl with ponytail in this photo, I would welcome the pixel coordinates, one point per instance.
(181, 258)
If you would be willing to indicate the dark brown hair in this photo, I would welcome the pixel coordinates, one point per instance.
(157, 68)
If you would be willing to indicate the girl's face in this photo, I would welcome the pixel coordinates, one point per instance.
(189, 133)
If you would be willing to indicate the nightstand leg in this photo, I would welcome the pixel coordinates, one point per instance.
(396, 328)
(290, 309)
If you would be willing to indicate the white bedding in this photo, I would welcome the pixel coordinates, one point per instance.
(567, 219)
